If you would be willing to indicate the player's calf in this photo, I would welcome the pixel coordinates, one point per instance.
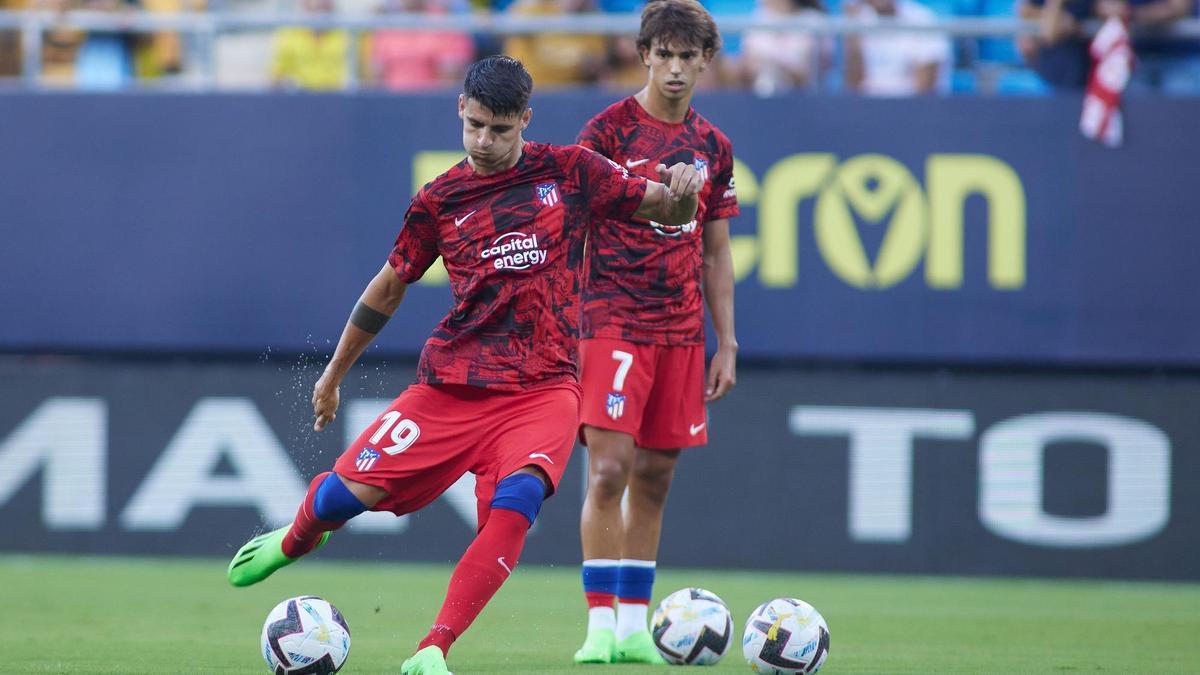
(489, 560)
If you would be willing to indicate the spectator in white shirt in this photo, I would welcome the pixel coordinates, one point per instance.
(896, 63)
(776, 60)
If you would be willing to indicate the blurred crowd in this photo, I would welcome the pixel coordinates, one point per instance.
(768, 62)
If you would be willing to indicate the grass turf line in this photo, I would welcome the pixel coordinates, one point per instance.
(130, 615)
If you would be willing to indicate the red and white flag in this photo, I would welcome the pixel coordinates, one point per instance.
(1112, 64)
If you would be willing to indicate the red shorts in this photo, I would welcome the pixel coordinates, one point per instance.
(654, 393)
(432, 435)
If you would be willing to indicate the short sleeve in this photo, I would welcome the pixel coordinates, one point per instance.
(417, 244)
(610, 190)
(934, 49)
(722, 197)
(592, 136)
(927, 47)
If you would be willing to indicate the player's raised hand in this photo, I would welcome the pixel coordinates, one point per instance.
(325, 400)
(682, 180)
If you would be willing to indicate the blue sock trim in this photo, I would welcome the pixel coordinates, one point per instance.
(635, 583)
(600, 579)
(520, 492)
(334, 501)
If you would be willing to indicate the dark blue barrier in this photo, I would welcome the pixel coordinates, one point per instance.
(926, 471)
(947, 230)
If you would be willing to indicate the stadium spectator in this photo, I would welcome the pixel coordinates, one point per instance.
(497, 392)
(10, 42)
(410, 60)
(312, 59)
(1169, 65)
(895, 63)
(105, 60)
(777, 60)
(625, 69)
(1059, 52)
(60, 48)
(161, 54)
(727, 64)
(558, 59)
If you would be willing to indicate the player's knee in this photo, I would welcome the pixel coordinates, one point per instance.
(607, 478)
(654, 477)
(652, 494)
(333, 501)
(652, 481)
(520, 492)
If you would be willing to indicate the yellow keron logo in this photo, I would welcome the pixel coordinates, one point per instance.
(924, 223)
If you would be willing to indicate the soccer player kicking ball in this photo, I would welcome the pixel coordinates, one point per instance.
(496, 391)
(642, 353)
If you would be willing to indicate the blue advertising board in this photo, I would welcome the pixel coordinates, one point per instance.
(913, 470)
(937, 230)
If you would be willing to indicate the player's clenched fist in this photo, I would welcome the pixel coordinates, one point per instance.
(325, 401)
(682, 180)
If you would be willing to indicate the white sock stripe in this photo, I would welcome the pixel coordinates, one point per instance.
(602, 618)
(631, 618)
(648, 564)
(601, 562)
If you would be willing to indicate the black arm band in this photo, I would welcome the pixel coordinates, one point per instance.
(368, 319)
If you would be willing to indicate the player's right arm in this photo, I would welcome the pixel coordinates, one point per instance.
(415, 250)
(377, 304)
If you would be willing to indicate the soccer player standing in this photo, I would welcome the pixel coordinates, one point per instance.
(496, 391)
(642, 353)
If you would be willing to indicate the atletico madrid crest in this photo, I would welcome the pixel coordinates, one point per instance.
(366, 459)
(701, 168)
(547, 193)
(615, 405)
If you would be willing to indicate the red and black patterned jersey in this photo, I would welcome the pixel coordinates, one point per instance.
(513, 244)
(643, 283)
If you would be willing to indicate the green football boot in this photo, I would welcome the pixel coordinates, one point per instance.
(638, 648)
(261, 556)
(428, 661)
(600, 646)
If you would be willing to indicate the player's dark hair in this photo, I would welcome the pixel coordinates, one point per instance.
(500, 84)
(680, 23)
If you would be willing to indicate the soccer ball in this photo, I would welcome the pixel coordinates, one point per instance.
(692, 627)
(305, 635)
(785, 636)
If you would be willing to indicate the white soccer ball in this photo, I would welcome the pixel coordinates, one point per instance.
(785, 636)
(305, 635)
(692, 627)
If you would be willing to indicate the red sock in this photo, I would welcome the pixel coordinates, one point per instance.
(479, 574)
(307, 528)
(595, 600)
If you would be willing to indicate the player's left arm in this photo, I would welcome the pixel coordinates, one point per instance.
(611, 190)
(674, 200)
(717, 282)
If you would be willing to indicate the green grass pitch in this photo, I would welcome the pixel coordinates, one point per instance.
(121, 615)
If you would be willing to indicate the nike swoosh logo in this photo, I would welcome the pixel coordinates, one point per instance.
(630, 163)
(542, 455)
(459, 221)
(502, 564)
(697, 428)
